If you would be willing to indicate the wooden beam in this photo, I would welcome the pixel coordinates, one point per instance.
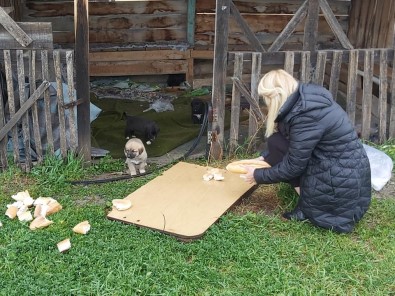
(334, 24)
(191, 22)
(254, 42)
(24, 108)
(219, 67)
(81, 19)
(311, 26)
(289, 28)
(41, 33)
(12, 27)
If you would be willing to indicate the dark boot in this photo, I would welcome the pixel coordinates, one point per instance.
(296, 214)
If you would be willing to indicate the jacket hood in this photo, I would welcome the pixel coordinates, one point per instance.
(306, 98)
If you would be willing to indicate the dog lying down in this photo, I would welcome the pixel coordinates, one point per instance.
(136, 156)
(144, 128)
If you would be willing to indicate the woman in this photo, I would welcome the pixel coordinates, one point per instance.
(312, 144)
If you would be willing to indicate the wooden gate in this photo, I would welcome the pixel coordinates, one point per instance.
(29, 114)
(360, 80)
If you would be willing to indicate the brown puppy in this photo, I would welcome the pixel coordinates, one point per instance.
(136, 156)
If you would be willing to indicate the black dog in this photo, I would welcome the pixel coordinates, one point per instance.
(141, 127)
(198, 110)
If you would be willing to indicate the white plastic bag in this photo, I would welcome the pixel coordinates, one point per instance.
(381, 166)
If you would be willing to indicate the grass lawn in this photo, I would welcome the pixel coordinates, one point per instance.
(247, 252)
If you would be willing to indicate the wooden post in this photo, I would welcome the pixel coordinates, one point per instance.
(311, 26)
(219, 68)
(191, 22)
(81, 16)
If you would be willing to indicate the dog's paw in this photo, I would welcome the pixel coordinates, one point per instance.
(148, 142)
(142, 171)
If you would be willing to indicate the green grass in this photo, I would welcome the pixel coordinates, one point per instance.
(251, 254)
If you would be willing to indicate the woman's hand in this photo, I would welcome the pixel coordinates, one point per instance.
(249, 176)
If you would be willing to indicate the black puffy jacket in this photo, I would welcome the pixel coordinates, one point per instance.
(324, 150)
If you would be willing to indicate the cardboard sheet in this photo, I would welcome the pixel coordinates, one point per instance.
(181, 203)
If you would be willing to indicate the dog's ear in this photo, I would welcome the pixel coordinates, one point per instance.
(141, 150)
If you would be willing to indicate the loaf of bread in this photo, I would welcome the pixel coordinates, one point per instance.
(237, 166)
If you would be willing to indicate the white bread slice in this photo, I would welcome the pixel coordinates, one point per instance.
(122, 204)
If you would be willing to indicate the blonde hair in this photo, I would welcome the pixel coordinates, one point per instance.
(275, 87)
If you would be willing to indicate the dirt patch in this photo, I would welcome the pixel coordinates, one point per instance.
(90, 200)
(263, 199)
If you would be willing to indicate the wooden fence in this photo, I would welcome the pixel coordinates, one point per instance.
(361, 81)
(33, 120)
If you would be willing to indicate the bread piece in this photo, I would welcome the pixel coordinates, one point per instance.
(21, 196)
(11, 211)
(121, 204)
(237, 166)
(40, 222)
(64, 245)
(53, 207)
(82, 227)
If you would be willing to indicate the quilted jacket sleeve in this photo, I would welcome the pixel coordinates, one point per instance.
(304, 134)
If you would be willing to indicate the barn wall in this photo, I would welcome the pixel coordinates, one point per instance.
(372, 24)
(162, 25)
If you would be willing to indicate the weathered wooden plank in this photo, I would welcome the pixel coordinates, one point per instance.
(386, 25)
(383, 96)
(367, 94)
(335, 72)
(24, 108)
(138, 67)
(391, 133)
(47, 103)
(271, 6)
(191, 11)
(13, 28)
(289, 62)
(82, 77)
(289, 28)
(305, 69)
(389, 41)
(41, 34)
(126, 36)
(72, 98)
(256, 45)
(247, 95)
(311, 26)
(60, 102)
(152, 55)
(362, 24)
(35, 120)
(124, 22)
(237, 42)
(3, 142)
(235, 105)
(254, 122)
(267, 24)
(40, 9)
(352, 85)
(354, 29)
(219, 67)
(25, 118)
(334, 24)
(8, 10)
(202, 54)
(277, 58)
(319, 72)
(12, 104)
